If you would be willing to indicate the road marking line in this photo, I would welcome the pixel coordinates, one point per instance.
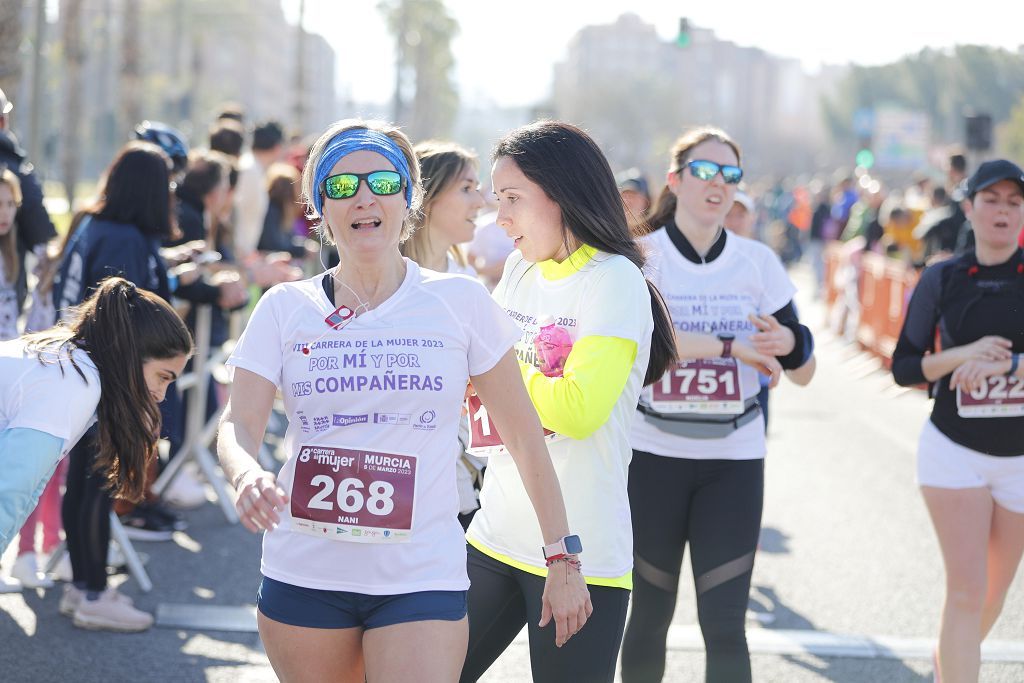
(820, 643)
(207, 617)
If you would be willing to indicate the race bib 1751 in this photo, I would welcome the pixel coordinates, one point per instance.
(709, 386)
(353, 495)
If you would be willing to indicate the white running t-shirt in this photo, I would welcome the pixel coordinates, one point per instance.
(607, 297)
(710, 298)
(40, 396)
(373, 410)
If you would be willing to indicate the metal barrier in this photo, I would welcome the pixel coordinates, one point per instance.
(883, 292)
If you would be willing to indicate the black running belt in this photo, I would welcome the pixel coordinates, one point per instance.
(724, 572)
(659, 578)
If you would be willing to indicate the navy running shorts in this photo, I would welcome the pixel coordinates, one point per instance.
(312, 608)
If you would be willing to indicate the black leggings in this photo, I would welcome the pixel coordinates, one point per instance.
(502, 599)
(715, 505)
(86, 516)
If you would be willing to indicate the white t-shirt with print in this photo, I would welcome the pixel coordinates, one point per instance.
(389, 384)
(8, 306)
(607, 297)
(456, 268)
(710, 298)
(39, 396)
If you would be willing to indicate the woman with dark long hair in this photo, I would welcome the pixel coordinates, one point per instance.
(109, 364)
(594, 331)
(119, 235)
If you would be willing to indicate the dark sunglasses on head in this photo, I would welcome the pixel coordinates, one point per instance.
(706, 170)
(345, 185)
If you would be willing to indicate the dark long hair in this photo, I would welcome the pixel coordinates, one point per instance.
(665, 206)
(136, 190)
(120, 326)
(571, 169)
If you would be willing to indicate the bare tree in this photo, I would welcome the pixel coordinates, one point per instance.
(11, 34)
(131, 66)
(74, 57)
(423, 32)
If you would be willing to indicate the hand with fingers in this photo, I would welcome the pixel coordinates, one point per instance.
(991, 348)
(974, 374)
(766, 364)
(259, 500)
(566, 601)
(772, 338)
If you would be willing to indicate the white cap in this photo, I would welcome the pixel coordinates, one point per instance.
(744, 199)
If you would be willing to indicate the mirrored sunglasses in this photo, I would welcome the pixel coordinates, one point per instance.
(706, 170)
(345, 185)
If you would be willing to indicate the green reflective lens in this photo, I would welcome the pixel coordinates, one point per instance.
(345, 185)
(385, 182)
(341, 186)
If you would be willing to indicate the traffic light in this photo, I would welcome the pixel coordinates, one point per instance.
(979, 132)
(683, 38)
(865, 159)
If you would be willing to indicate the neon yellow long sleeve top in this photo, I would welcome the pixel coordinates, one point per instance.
(581, 400)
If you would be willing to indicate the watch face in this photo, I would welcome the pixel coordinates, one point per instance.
(573, 545)
(726, 336)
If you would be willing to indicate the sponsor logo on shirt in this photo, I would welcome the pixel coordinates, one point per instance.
(346, 420)
(426, 421)
(303, 420)
(391, 418)
(321, 423)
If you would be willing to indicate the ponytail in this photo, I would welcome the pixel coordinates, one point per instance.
(664, 209)
(121, 326)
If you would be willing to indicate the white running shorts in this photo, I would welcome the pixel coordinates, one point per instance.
(944, 464)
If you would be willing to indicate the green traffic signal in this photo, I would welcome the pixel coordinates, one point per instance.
(683, 37)
(865, 158)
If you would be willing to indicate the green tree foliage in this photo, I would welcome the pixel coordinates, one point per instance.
(1012, 133)
(11, 34)
(944, 84)
(426, 99)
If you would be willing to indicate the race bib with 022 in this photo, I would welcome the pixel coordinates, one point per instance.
(1000, 396)
(353, 495)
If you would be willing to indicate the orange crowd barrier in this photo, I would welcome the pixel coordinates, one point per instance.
(883, 292)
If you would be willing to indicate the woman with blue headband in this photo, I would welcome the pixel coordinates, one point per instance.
(364, 560)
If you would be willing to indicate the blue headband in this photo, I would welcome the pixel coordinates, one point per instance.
(354, 140)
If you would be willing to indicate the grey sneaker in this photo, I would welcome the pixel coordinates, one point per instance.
(109, 613)
(73, 597)
(70, 600)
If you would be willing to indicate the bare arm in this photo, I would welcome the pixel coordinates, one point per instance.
(937, 365)
(241, 433)
(502, 391)
(803, 375)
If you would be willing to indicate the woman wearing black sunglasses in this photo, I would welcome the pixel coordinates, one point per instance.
(697, 474)
(364, 560)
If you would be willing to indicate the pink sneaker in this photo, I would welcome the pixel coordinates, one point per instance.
(111, 613)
